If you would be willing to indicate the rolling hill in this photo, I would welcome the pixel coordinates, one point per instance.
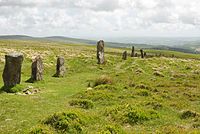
(188, 47)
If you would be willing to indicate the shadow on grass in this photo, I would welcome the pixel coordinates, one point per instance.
(12, 89)
(55, 75)
(30, 80)
(8, 89)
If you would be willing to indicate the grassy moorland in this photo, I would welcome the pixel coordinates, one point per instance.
(151, 95)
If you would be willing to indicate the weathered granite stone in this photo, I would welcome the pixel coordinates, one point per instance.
(100, 52)
(124, 55)
(37, 69)
(12, 70)
(60, 67)
(133, 51)
(142, 53)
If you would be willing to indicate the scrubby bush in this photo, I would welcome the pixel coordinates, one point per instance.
(86, 104)
(102, 80)
(109, 129)
(143, 93)
(131, 84)
(42, 129)
(196, 125)
(139, 71)
(66, 122)
(155, 105)
(131, 115)
(189, 114)
(157, 73)
(96, 95)
(143, 86)
(136, 116)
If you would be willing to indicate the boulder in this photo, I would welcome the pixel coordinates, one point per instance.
(142, 53)
(12, 70)
(124, 55)
(100, 52)
(133, 51)
(37, 69)
(60, 67)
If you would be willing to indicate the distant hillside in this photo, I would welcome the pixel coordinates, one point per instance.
(73, 41)
(190, 47)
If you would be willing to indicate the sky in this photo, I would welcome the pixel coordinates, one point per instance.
(100, 18)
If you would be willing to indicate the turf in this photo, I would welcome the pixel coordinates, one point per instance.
(150, 95)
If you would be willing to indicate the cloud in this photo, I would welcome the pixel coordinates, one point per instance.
(99, 18)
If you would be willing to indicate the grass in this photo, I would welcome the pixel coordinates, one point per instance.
(158, 94)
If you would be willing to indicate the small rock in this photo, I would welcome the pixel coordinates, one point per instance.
(28, 92)
(89, 88)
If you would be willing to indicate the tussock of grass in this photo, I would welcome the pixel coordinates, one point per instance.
(102, 80)
(189, 114)
(96, 95)
(155, 105)
(157, 73)
(42, 129)
(130, 114)
(143, 86)
(110, 129)
(86, 104)
(143, 93)
(66, 122)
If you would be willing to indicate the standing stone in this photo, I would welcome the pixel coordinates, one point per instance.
(37, 69)
(124, 55)
(60, 67)
(12, 70)
(136, 55)
(145, 54)
(100, 52)
(142, 54)
(133, 51)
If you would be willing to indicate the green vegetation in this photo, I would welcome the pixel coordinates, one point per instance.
(86, 104)
(151, 95)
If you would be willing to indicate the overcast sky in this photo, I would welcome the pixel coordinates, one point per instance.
(100, 18)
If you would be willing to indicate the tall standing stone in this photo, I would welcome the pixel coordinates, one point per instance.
(133, 51)
(124, 55)
(60, 67)
(12, 70)
(100, 52)
(37, 69)
(142, 53)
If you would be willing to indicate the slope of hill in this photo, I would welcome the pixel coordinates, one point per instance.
(159, 94)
